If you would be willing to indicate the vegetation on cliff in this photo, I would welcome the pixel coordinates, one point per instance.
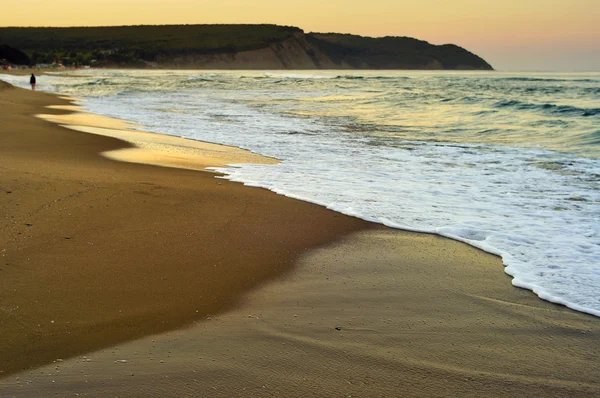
(139, 44)
(394, 53)
(158, 46)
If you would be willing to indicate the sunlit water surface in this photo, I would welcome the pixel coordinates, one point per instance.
(509, 163)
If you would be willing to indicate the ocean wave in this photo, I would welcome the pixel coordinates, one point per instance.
(538, 79)
(549, 123)
(462, 100)
(351, 77)
(101, 81)
(373, 78)
(591, 90)
(591, 139)
(300, 77)
(199, 79)
(541, 90)
(485, 112)
(297, 76)
(549, 108)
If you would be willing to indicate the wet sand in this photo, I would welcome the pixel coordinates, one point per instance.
(377, 312)
(96, 252)
(154, 149)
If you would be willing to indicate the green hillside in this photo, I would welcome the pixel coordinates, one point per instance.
(125, 44)
(394, 52)
(192, 46)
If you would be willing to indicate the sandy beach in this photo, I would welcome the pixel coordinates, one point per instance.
(96, 252)
(129, 279)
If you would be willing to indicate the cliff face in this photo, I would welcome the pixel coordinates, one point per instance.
(335, 51)
(293, 53)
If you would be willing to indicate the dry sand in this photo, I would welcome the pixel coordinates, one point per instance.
(376, 313)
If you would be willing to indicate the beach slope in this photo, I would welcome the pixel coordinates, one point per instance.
(128, 270)
(96, 252)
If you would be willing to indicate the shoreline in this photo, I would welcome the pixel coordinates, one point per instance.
(437, 303)
(137, 155)
(89, 243)
(152, 148)
(372, 314)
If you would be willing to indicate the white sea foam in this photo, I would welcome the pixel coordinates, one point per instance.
(537, 208)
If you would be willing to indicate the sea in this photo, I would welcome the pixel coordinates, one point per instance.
(506, 162)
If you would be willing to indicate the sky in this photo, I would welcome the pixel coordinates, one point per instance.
(545, 35)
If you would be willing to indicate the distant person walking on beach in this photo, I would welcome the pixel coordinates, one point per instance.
(32, 81)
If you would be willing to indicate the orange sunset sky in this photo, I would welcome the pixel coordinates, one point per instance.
(511, 35)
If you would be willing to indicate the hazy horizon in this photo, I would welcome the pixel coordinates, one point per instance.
(542, 35)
